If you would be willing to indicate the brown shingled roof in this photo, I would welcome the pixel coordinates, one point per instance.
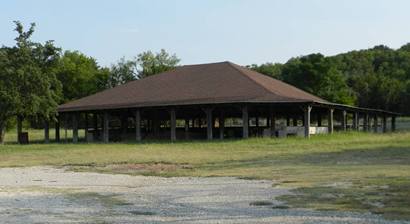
(213, 83)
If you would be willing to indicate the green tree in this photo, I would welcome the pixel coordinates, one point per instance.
(378, 76)
(122, 72)
(80, 75)
(318, 75)
(8, 92)
(271, 69)
(151, 64)
(29, 87)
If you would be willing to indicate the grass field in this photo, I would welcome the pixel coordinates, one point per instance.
(345, 171)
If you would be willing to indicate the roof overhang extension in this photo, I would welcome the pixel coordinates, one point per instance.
(182, 105)
(354, 108)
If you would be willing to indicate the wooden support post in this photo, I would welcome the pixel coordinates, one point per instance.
(356, 121)
(393, 123)
(272, 125)
(366, 122)
(375, 123)
(257, 125)
(209, 123)
(86, 126)
(186, 125)
(344, 120)
(19, 128)
(75, 127)
(330, 121)
(319, 119)
(106, 127)
(57, 129)
(384, 123)
(138, 136)
(306, 120)
(221, 125)
(173, 124)
(245, 122)
(95, 127)
(46, 131)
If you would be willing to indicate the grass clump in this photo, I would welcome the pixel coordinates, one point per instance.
(260, 203)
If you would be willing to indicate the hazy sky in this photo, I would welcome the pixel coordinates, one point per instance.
(243, 32)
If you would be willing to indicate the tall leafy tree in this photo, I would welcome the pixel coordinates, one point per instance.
(271, 69)
(151, 64)
(318, 75)
(122, 72)
(378, 77)
(8, 92)
(30, 88)
(80, 75)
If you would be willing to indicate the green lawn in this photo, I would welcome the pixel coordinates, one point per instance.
(350, 171)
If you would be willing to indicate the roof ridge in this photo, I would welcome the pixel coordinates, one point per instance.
(234, 66)
(176, 69)
(239, 67)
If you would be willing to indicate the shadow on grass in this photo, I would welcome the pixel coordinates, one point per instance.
(359, 156)
(389, 200)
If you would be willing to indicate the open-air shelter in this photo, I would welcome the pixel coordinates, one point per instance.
(207, 101)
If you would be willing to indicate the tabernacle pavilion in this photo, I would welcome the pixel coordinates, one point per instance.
(208, 101)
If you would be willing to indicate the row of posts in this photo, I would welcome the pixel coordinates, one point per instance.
(366, 121)
(209, 119)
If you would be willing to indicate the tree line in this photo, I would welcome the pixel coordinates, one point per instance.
(378, 77)
(36, 77)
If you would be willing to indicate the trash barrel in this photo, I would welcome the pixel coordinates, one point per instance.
(23, 138)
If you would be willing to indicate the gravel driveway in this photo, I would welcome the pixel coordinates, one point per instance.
(50, 195)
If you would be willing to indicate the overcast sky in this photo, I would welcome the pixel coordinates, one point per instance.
(244, 32)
